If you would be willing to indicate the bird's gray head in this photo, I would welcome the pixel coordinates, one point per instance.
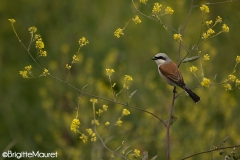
(161, 58)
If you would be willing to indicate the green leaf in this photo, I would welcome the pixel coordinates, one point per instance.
(153, 158)
(191, 59)
(130, 96)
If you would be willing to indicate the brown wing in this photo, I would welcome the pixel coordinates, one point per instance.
(171, 71)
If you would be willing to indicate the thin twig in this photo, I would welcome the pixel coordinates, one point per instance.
(211, 150)
(169, 124)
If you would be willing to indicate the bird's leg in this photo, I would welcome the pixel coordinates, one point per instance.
(174, 90)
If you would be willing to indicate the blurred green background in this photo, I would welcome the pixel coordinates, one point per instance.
(35, 114)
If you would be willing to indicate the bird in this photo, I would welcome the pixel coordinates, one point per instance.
(170, 73)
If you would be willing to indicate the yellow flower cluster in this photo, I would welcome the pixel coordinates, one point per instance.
(237, 83)
(109, 72)
(205, 82)
(169, 10)
(91, 134)
(204, 9)
(206, 57)
(118, 32)
(25, 73)
(93, 100)
(68, 66)
(136, 153)
(177, 37)
(100, 111)
(32, 29)
(218, 20)
(75, 125)
(107, 124)
(156, 8)
(208, 23)
(95, 122)
(84, 138)
(143, 1)
(45, 72)
(193, 69)
(227, 87)
(12, 20)
(83, 41)
(125, 112)
(40, 47)
(137, 19)
(127, 79)
(75, 59)
(209, 32)
(119, 122)
(225, 28)
(232, 78)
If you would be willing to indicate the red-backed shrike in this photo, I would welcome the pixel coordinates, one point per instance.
(170, 73)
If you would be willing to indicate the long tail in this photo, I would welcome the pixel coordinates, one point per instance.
(194, 97)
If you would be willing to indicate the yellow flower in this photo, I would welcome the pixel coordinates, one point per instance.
(105, 107)
(177, 37)
(107, 124)
(24, 74)
(210, 31)
(99, 112)
(237, 82)
(32, 29)
(39, 44)
(209, 22)
(75, 59)
(143, 1)
(204, 8)
(93, 138)
(89, 131)
(75, 125)
(225, 28)
(42, 53)
(68, 66)
(83, 41)
(156, 8)
(169, 10)
(218, 20)
(119, 122)
(193, 69)
(45, 72)
(205, 36)
(205, 82)
(227, 87)
(136, 153)
(93, 100)
(28, 68)
(232, 78)
(206, 57)
(238, 59)
(136, 19)
(84, 138)
(109, 72)
(118, 32)
(128, 78)
(125, 112)
(12, 20)
(95, 122)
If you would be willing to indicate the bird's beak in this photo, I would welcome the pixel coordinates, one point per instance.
(154, 58)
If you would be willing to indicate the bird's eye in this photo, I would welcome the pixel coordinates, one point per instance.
(161, 57)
